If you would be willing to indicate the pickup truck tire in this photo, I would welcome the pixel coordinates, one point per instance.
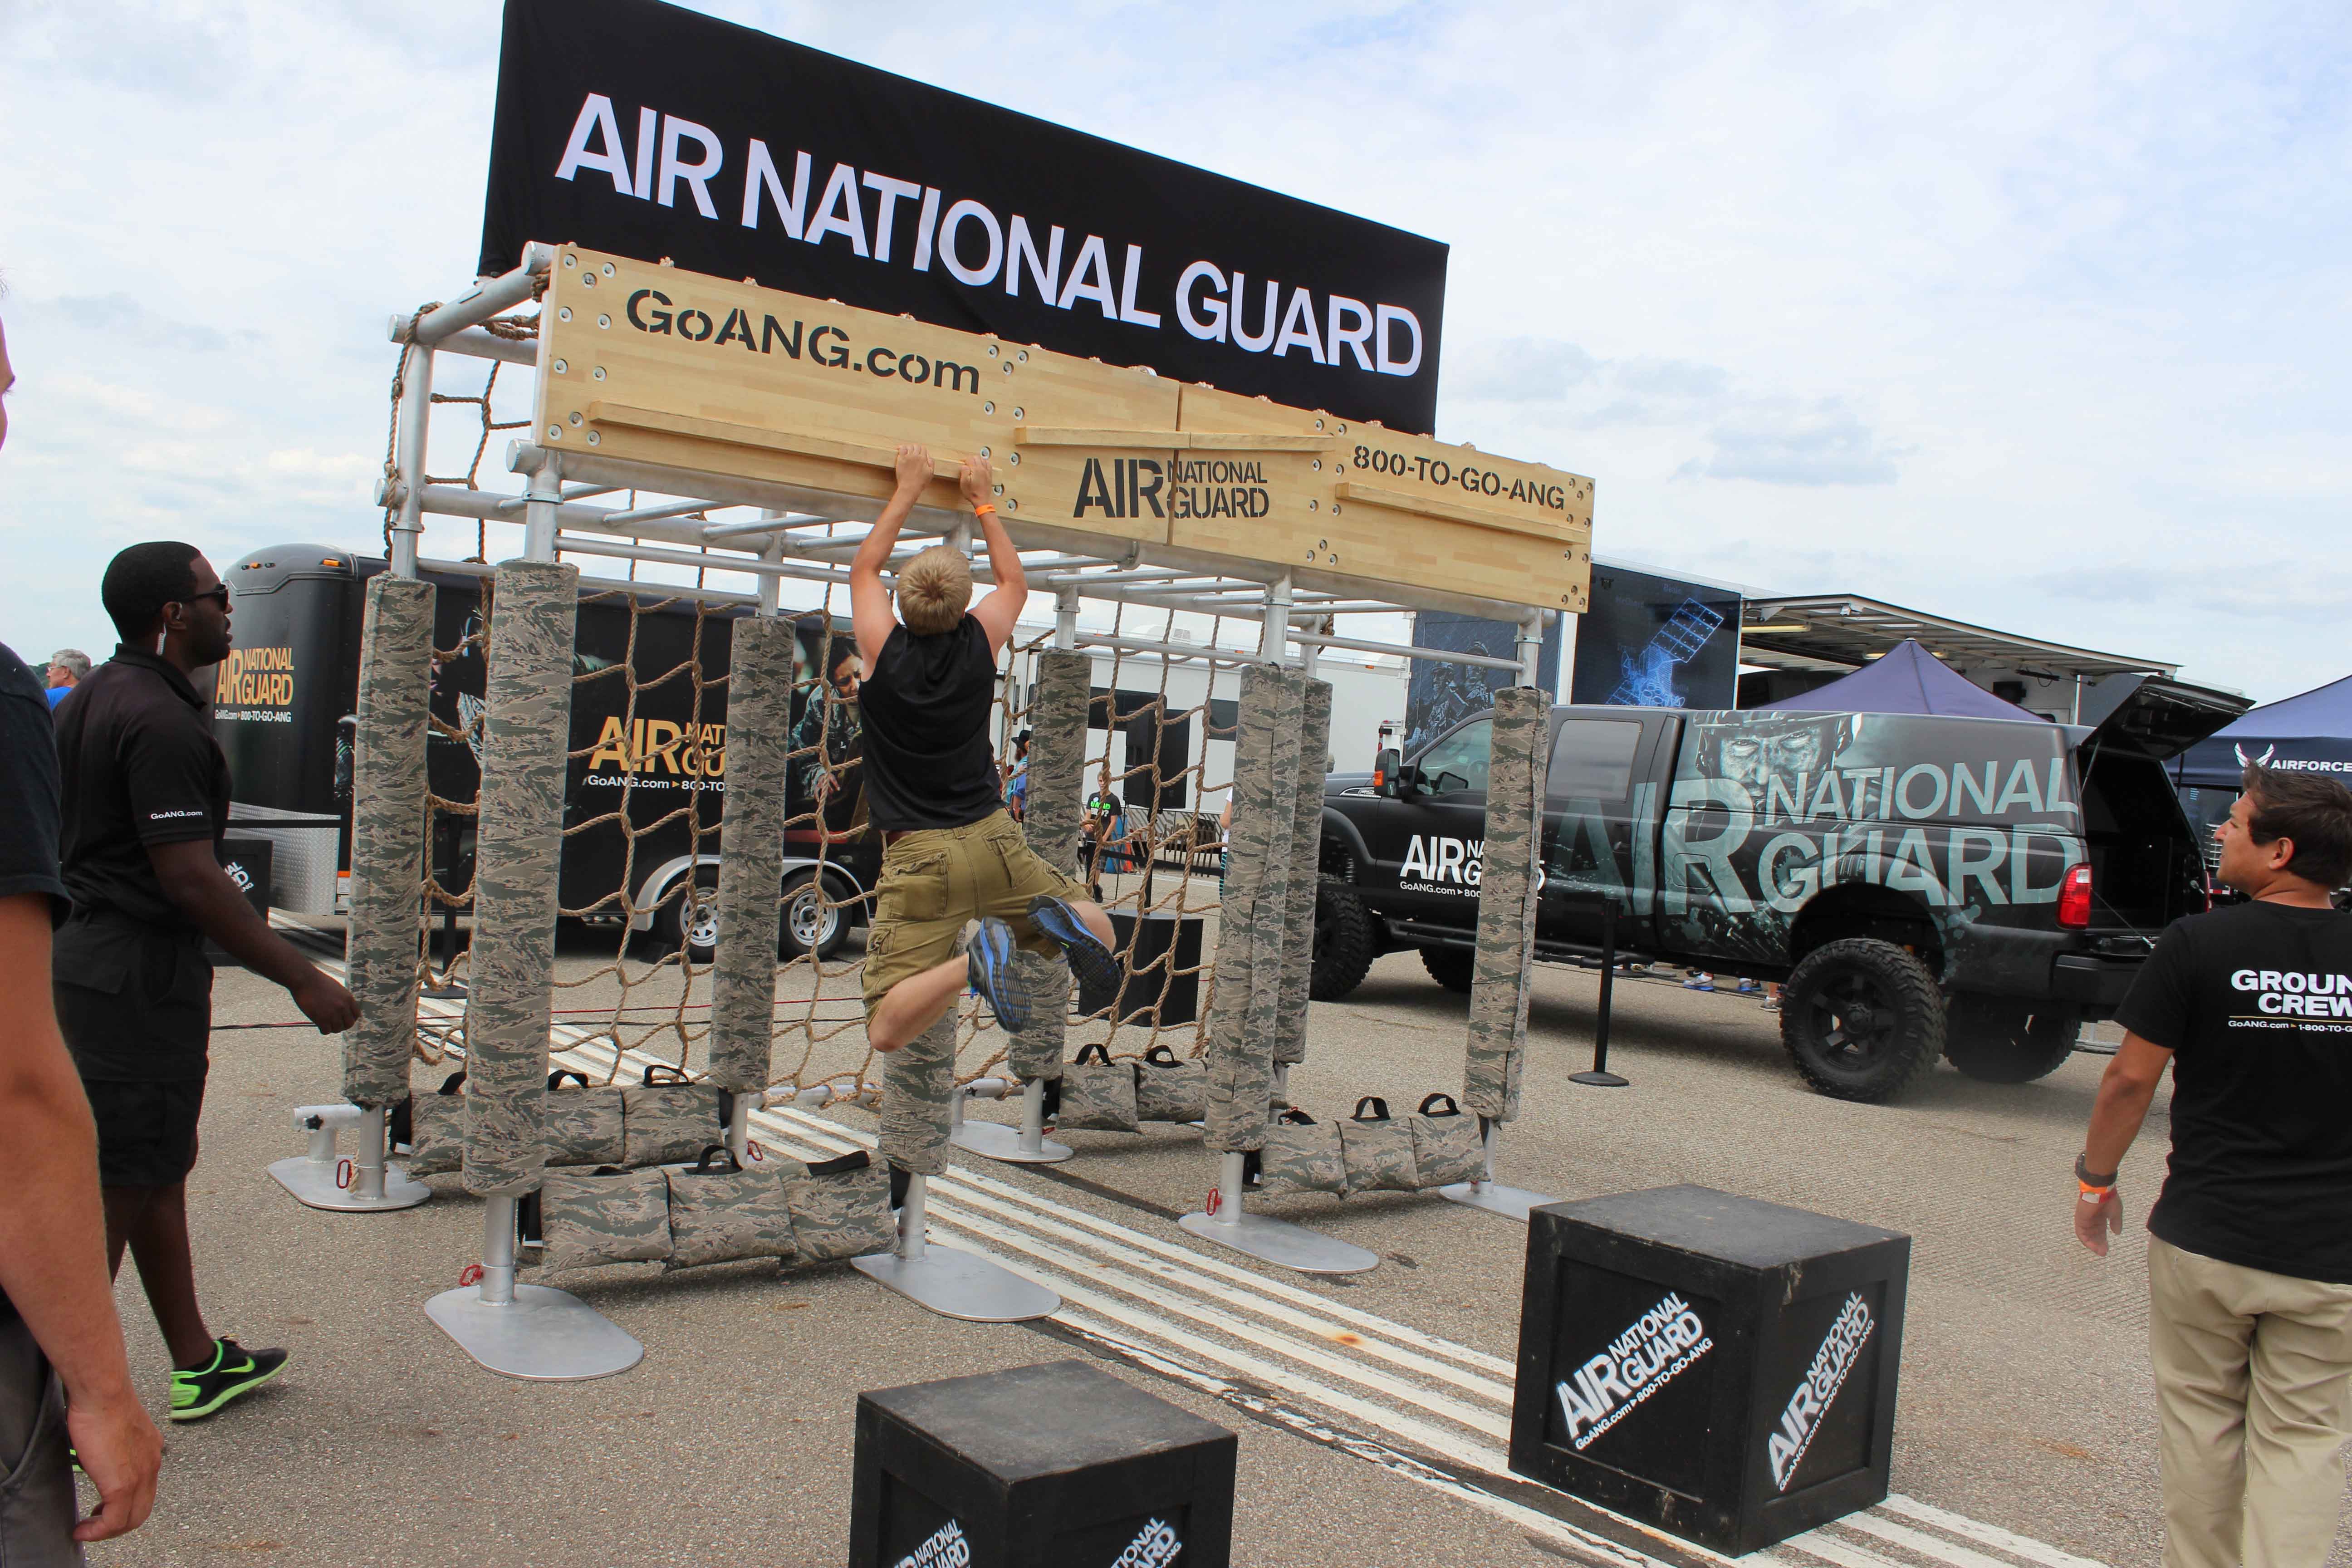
(811, 924)
(1996, 1039)
(1450, 967)
(1861, 1018)
(1344, 943)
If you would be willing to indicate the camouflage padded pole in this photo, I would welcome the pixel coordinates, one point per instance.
(1239, 1085)
(1270, 912)
(527, 736)
(388, 796)
(1508, 880)
(751, 857)
(388, 836)
(1306, 872)
(917, 1080)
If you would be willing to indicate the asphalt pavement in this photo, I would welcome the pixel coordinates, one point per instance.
(1369, 1407)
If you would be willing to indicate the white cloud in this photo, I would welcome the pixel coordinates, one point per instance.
(2029, 315)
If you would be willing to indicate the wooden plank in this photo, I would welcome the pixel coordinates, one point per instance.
(1509, 553)
(1176, 440)
(648, 364)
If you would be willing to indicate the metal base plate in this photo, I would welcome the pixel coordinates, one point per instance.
(313, 1182)
(1279, 1241)
(1513, 1202)
(546, 1336)
(1596, 1079)
(995, 1140)
(958, 1284)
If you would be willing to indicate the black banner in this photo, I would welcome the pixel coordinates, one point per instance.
(653, 132)
(1656, 642)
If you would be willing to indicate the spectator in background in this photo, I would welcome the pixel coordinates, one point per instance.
(68, 669)
(63, 1376)
(1016, 780)
(2249, 1248)
(146, 790)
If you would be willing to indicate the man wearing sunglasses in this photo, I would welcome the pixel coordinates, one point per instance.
(146, 792)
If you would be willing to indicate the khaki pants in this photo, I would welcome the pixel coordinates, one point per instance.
(2253, 1381)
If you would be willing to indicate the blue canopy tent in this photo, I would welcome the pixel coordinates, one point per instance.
(1907, 679)
(2312, 732)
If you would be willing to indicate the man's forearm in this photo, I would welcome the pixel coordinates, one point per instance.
(219, 910)
(2115, 1120)
(52, 1228)
(1003, 560)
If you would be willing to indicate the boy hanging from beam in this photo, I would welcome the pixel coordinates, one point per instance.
(950, 854)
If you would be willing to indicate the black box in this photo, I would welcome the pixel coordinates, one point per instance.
(1058, 1466)
(1722, 1368)
(1142, 945)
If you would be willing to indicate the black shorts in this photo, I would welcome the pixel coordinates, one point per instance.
(134, 1001)
(146, 1132)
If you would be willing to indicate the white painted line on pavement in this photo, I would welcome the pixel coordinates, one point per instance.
(1984, 1535)
(1828, 1549)
(1919, 1540)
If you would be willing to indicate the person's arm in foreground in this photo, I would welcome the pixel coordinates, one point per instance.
(1001, 611)
(869, 599)
(53, 1234)
(193, 880)
(2126, 1089)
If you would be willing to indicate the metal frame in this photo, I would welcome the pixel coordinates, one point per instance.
(558, 519)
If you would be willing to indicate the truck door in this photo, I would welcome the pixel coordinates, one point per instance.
(1425, 848)
(1602, 766)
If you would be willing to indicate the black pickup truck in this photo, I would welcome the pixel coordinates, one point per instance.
(1926, 885)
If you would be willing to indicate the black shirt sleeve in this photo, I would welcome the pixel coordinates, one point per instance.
(2158, 1007)
(167, 771)
(28, 788)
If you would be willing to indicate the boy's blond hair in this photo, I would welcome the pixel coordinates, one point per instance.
(934, 590)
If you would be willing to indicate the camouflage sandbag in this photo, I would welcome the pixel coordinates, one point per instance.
(668, 1117)
(1170, 1090)
(1097, 1094)
(604, 1216)
(436, 1129)
(1378, 1151)
(841, 1208)
(721, 1212)
(1302, 1154)
(1447, 1146)
(583, 1122)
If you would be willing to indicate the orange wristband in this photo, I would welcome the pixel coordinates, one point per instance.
(2092, 1195)
(984, 509)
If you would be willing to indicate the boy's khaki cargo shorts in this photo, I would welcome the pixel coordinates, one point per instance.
(937, 880)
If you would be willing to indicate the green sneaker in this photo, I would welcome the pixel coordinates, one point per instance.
(233, 1371)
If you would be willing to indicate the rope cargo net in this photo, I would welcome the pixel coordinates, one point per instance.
(649, 1000)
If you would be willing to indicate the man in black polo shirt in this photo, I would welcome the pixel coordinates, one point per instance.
(146, 796)
(62, 1370)
(2250, 1254)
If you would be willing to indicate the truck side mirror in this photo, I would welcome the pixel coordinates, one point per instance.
(1386, 767)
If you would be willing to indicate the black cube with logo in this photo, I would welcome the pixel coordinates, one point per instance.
(1720, 1367)
(1056, 1466)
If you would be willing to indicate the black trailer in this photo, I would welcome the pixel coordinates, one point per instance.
(647, 782)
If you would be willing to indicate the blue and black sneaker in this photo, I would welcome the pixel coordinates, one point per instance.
(988, 962)
(1090, 961)
(232, 1372)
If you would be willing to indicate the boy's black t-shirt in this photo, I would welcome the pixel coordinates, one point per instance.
(2255, 1004)
(926, 709)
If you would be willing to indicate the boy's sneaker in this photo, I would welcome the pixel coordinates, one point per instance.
(1747, 987)
(232, 1372)
(1772, 1003)
(989, 963)
(1090, 961)
(1699, 982)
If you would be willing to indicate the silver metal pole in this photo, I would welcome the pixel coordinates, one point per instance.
(910, 1219)
(539, 524)
(1276, 626)
(499, 1249)
(479, 303)
(771, 588)
(1530, 649)
(1066, 617)
(367, 1170)
(415, 424)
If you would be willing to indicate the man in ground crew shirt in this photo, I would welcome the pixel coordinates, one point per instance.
(2249, 1251)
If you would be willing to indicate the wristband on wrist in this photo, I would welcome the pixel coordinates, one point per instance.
(2090, 1195)
(983, 509)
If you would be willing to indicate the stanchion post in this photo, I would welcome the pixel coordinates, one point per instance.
(1599, 1076)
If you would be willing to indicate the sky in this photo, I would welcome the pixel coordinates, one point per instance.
(2034, 316)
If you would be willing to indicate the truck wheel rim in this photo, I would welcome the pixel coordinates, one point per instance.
(702, 931)
(1854, 1021)
(812, 922)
